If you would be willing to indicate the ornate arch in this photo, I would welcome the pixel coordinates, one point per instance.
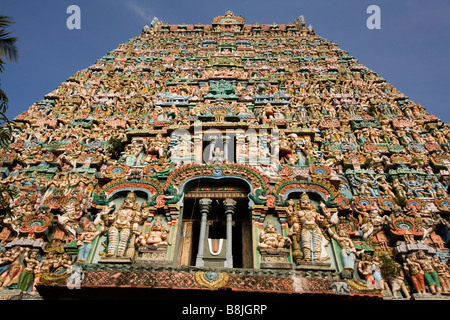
(151, 187)
(319, 186)
(178, 178)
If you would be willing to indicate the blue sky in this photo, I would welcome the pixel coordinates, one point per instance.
(411, 50)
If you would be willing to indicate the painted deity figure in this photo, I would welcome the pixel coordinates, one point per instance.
(442, 271)
(48, 264)
(173, 113)
(84, 240)
(348, 250)
(292, 216)
(375, 268)
(11, 274)
(157, 235)
(370, 268)
(365, 270)
(430, 275)
(311, 236)
(132, 153)
(217, 156)
(121, 224)
(269, 238)
(156, 148)
(184, 148)
(415, 272)
(63, 263)
(69, 221)
(394, 275)
(26, 276)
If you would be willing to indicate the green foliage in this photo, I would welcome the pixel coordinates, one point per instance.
(6, 127)
(388, 267)
(372, 110)
(8, 48)
(401, 201)
(6, 194)
(8, 52)
(115, 147)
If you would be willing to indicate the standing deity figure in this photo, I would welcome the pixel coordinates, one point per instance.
(394, 274)
(121, 225)
(348, 250)
(365, 270)
(85, 238)
(27, 274)
(156, 148)
(443, 273)
(430, 274)
(11, 274)
(312, 238)
(415, 272)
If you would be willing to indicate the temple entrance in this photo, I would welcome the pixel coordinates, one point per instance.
(216, 225)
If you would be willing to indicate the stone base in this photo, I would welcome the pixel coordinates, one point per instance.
(391, 297)
(275, 259)
(118, 260)
(275, 265)
(316, 266)
(214, 263)
(429, 296)
(152, 255)
(6, 294)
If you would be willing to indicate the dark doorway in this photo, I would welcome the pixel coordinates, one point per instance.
(216, 190)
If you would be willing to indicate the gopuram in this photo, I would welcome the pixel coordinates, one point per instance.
(226, 159)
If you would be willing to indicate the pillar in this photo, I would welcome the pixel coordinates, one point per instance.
(198, 148)
(230, 207)
(275, 146)
(240, 141)
(226, 143)
(205, 208)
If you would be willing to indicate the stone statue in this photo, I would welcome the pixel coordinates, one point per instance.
(85, 238)
(121, 223)
(430, 275)
(393, 273)
(15, 267)
(348, 250)
(132, 153)
(415, 272)
(269, 238)
(26, 277)
(156, 148)
(443, 273)
(156, 236)
(311, 235)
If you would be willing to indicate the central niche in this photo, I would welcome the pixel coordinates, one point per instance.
(216, 224)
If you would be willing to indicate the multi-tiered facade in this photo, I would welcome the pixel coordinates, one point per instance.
(227, 157)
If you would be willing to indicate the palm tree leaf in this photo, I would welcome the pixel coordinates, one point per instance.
(8, 48)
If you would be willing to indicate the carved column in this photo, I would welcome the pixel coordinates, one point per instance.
(230, 207)
(198, 148)
(172, 214)
(275, 146)
(205, 208)
(211, 147)
(240, 140)
(226, 143)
